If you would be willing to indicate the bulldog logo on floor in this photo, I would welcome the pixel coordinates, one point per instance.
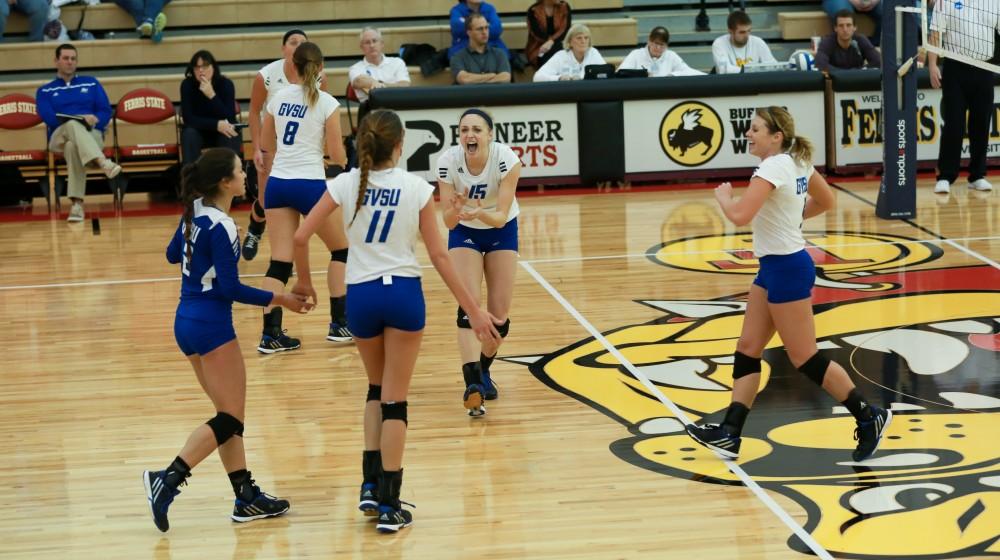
(691, 133)
(927, 342)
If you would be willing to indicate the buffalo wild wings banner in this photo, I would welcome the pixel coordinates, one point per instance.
(710, 133)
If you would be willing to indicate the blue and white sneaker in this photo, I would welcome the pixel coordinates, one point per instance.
(869, 434)
(281, 343)
(264, 505)
(391, 520)
(716, 438)
(159, 495)
(368, 504)
(489, 387)
(339, 333)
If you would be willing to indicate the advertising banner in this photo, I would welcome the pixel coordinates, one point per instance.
(544, 136)
(710, 133)
(858, 127)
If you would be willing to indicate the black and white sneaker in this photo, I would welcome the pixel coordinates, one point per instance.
(339, 333)
(250, 245)
(716, 438)
(391, 520)
(281, 343)
(368, 503)
(159, 495)
(869, 434)
(264, 505)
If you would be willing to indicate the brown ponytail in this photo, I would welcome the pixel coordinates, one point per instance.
(378, 135)
(308, 61)
(202, 179)
(778, 119)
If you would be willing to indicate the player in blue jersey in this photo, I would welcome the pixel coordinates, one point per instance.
(477, 180)
(207, 247)
(300, 121)
(384, 209)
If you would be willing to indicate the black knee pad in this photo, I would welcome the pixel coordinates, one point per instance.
(279, 270)
(815, 368)
(463, 320)
(258, 210)
(394, 411)
(340, 255)
(744, 365)
(504, 328)
(374, 393)
(225, 426)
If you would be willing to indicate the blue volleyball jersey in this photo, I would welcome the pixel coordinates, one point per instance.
(210, 282)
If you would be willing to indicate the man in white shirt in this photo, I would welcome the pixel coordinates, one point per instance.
(656, 59)
(376, 70)
(738, 47)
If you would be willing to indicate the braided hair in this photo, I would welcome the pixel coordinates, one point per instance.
(379, 134)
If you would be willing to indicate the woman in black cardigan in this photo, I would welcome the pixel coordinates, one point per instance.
(208, 107)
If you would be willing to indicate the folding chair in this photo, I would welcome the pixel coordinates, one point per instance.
(18, 114)
(146, 110)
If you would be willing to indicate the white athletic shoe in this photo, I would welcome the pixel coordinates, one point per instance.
(981, 185)
(942, 187)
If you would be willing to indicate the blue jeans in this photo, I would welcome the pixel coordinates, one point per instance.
(37, 12)
(831, 7)
(142, 10)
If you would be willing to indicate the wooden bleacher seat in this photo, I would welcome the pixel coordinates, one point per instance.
(177, 50)
(201, 13)
(804, 25)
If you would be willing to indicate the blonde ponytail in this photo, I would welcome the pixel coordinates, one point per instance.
(778, 119)
(308, 61)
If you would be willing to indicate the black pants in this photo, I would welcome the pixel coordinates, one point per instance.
(194, 140)
(964, 88)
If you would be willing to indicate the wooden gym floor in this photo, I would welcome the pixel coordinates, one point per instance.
(626, 312)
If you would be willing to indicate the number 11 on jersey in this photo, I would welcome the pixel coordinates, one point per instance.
(376, 218)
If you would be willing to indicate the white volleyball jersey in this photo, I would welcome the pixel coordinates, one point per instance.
(383, 235)
(301, 133)
(483, 187)
(275, 79)
(777, 227)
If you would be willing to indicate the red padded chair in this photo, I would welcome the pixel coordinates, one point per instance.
(18, 112)
(144, 107)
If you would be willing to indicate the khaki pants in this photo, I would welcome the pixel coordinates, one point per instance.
(80, 147)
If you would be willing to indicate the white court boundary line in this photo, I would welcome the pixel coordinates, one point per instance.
(639, 376)
(952, 242)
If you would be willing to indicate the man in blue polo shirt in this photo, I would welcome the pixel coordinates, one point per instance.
(76, 112)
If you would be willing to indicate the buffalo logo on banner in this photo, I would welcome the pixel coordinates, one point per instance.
(925, 339)
(691, 133)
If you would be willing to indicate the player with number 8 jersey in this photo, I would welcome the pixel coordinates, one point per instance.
(299, 122)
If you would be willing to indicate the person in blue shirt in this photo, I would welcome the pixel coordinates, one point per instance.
(207, 247)
(459, 36)
(76, 112)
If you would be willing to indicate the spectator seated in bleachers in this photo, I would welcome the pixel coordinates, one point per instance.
(655, 59)
(76, 112)
(845, 48)
(478, 62)
(37, 12)
(738, 47)
(208, 107)
(548, 22)
(568, 63)
(871, 7)
(376, 70)
(459, 17)
(148, 15)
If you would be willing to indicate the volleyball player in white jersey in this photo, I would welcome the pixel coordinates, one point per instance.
(300, 120)
(269, 80)
(384, 208)
(477, 181)
(206, 246)
(783, 191)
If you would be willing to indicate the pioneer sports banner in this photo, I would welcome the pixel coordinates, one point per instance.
(857, 127)
(709, 133)
(544, 136)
